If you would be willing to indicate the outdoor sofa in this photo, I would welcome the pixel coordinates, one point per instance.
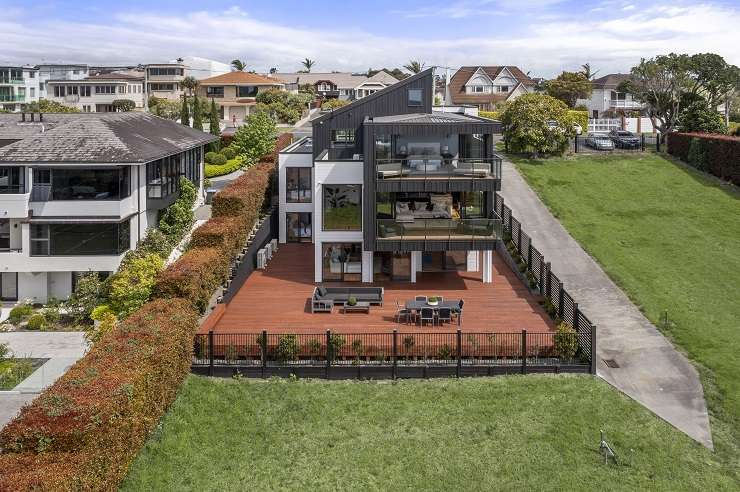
(324, 298)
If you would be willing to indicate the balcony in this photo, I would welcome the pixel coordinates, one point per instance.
(625, 104)
(12, 98)
(11, 81)
(438, 168)
(439, 229)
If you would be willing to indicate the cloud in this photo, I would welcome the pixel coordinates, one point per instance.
(611, 40)
(474, 8)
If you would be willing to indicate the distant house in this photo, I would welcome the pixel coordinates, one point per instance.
(96, 93)
(235, 92)
(486, 86)
(606, 101)
(339, 85)
(163, 80)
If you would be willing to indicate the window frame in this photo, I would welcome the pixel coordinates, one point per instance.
(415, 102)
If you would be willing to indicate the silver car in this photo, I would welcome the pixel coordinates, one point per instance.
(599, 141)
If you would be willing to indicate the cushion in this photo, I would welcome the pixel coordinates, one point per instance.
(321, 291)
(420, 205)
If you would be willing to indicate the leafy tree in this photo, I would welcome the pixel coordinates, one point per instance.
(184, 113)
(307, 89)
(164, 108)
(283, 105)
(213, 125)
(190, 83)
(308, 64)
(46, 106)
(699, 116)
(414, 66)
(712, 78)
(124, 105)
(256, 138)
(333, 103)
(588, 72)
(90, 291)
(238, 65)
(132, 285)
(569, 87)
(537, 123)
(197, 115)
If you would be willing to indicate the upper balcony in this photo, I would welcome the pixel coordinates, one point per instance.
(438, 168)
(12, 98)
(11, 81)
(625, 104)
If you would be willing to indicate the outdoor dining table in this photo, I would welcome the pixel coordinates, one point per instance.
(453, 304)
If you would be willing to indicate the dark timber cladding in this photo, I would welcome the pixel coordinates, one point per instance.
(392, 100)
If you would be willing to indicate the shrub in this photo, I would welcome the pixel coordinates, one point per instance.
(89, 293)
(528, 127)
(287, 348)
(208, 158)
(225, 233)
(100, 311)
(20, 312)
(36, 322)
(132, 285)
(701, 117)
(218, 160)
(155, 242)
(231, 166)
(194, 276)
(491, 115)
(229, 153)
(580, 118)
(178, 217)
(566, 341)
(256, 138)
(82, 432)
(720, 153)
(244, 195)
(5, 352)
(333, 104)
(124, 105)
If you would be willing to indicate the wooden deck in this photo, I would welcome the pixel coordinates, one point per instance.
(277, 300)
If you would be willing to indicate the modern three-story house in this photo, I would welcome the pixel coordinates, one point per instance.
(77, 191)
(18, 87)
(386, 188)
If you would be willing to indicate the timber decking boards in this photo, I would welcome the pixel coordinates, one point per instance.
(277, 300)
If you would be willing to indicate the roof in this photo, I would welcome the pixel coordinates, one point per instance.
(101, 138)
(610, 81)
(241, 78)
(101, 77)
(434, 117)
(343, 80)
(458, 80)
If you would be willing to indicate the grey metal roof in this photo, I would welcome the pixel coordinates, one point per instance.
(102, 138)
(429, 118)
(342, 80)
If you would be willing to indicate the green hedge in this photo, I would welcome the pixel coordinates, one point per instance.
(491, 115)
(716, 154)
(231, 166)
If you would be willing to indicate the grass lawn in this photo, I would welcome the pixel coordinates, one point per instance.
(515, 432)
(670, 238)
(14, 371)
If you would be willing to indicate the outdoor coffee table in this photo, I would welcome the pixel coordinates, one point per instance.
(359, 307)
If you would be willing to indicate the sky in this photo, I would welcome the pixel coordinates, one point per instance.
(542, 37)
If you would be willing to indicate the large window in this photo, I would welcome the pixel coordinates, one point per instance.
(298, 227)
(217, 91)
(341, 262)
(415, 97)
(162, 87)
(105, 89)
(342, 208)
(246, 91)
(163, 175)
(343, 136)
(165, 71)
(4, 234)
(12, 180)
(298, 184)
(81, 239)
(81, 184)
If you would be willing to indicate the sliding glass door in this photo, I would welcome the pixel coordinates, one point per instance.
(342, 262)
(298, 227)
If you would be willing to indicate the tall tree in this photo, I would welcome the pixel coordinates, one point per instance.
(238, 65)
(184, 113)
(197, 115)
(190, 83)
(308, 64)
(569, 87)
(588, 72)
(713, 78)
(414, 66)
(213, 126)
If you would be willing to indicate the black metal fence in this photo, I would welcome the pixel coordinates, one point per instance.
(391, 355)
(645, 143)
(558, 303)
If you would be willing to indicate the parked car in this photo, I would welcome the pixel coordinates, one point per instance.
(624, 139)
(599, 141)
(554, 124)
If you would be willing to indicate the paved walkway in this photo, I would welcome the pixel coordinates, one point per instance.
(62, 349)
(650, 369)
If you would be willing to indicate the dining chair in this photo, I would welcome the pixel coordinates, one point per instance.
(403, 313)
(445, 314)
(460, 311)
(427, 314)
(421, 298)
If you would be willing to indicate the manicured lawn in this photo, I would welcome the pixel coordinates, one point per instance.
(517, 432)
(213, 170)
(671, 239)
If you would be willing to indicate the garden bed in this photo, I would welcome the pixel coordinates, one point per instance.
(15, 370)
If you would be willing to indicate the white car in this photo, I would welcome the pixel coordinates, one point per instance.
(599, 141)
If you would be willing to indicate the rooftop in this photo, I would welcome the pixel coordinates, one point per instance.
(611, 81)
(99, 138)
(429, 118)
(302, 146)
(343, 80)
(242, 78)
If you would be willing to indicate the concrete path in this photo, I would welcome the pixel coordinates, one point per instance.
(62, 349)
(650, 369)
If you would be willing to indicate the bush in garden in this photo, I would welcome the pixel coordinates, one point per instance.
(208, 158)
(155, 242)
(132, 285)
(225, 233)
(218, 160)
(124, 105)
(256, 138)
(333, 104)
(566, 341)
(178, 217)
(528, 124)
(229, 153)
(20, 312)
(245, 195)
(36, 322)
(228, 168)
(82, 432)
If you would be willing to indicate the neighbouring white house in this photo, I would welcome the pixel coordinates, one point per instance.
(607, 101)
(18, 86)
(235, 93)
(96, 93)
(202, 68)
(163, 80)
(59, 71)
(79, 190)
(487, 86)
(339, 85)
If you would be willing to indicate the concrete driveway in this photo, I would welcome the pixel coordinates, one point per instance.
(650, 369)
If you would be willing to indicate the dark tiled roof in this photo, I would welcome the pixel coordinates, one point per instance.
(611, 81)
(103, 138)
(429, 118)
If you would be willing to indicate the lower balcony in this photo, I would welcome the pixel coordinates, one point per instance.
(439, 229)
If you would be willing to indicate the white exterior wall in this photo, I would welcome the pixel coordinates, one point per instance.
(286, 159)
(325, 172)
(133, 90)
(59, 72)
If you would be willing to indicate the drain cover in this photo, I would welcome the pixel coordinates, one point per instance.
(611, 363)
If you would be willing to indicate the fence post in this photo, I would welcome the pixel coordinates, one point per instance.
(395, 352)
(576, 146)
(210, 352)
(519, 238)
(642, 142)
(263, 347)
(511, 230)
(328, 352)
(524, 351)
(561, 300)
(529, 256)
(459, 352)
(593, 349)
(657, 143)
(548, 281)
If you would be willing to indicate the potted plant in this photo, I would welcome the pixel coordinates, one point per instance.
(352, 301)
(433, 301)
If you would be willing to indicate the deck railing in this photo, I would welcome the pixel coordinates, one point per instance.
(391, 354)
(439, 229)
(438, 168)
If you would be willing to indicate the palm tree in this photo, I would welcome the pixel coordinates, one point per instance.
(586, 71)
(238, 65)
(273, 70)
(308, 63)
(414, 66)
(190, 83)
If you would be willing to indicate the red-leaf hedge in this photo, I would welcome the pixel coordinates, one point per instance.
(244, 196)
(82, 432)
(224, 233)
(715, 154)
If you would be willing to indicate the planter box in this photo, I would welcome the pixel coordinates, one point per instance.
(504, 253)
